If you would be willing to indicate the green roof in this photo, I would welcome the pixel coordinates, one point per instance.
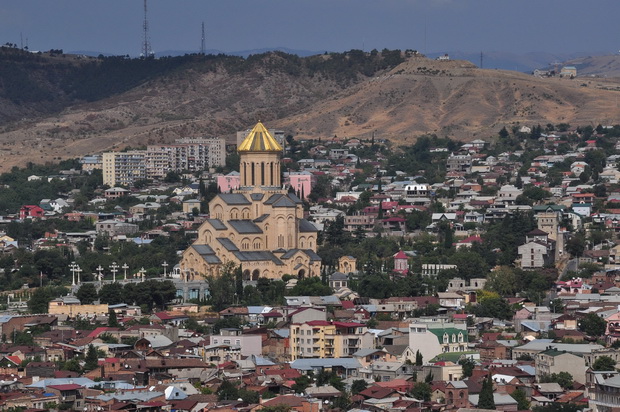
(451, 356)
(555, 352)
(441, 331)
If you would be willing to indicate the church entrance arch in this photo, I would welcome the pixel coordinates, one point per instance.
(246, 274)
(301, 274)
(255, 274)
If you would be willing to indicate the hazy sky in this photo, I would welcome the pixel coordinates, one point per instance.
(115, 26)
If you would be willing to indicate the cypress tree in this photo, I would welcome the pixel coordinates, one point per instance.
(486, 401)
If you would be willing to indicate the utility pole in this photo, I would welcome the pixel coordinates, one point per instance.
(481, 60)
(202, 40)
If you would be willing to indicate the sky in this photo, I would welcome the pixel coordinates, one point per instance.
(430, 26)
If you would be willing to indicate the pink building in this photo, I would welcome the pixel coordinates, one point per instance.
(229, 182)
(401, 262)
(301, 182)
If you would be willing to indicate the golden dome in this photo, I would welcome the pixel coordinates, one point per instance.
(259, 140)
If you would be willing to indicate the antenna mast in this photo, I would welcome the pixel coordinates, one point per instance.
(146, 44)
(202, 39)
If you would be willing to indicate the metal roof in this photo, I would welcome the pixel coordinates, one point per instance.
(272, 199)
(217, 224)
(227, 243)
(261, 217)
(234, 199)
(257, 196)
(257, 256)
(310, 364)
(207, 253)
(284, 201)
(306, 226)
(203, 249)
(259, 140)
(245, 226)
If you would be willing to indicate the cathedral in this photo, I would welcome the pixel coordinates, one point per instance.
(259, 226)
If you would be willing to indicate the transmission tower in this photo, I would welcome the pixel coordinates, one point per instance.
(146, 42)
(202, 39)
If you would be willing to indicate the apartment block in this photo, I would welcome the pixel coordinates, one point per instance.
(324, 339)
(124, 168)
(185, 154)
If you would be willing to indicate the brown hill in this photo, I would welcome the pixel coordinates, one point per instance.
(419, 96)
(455, 99)
(597, 66)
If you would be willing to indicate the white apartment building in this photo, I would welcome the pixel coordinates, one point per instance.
(185, 154)
(125, 168)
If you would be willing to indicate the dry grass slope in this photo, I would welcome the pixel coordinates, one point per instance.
(419, 96)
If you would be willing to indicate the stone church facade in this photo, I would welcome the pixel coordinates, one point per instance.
(259, 226)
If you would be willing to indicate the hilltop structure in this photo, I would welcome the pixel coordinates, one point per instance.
(259, 226)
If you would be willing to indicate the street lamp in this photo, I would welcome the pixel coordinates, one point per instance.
(114, 268)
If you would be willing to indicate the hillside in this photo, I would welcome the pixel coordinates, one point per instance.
(599, 66)
(140, 102)
(455, 99)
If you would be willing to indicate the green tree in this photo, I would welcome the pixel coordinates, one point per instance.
(87, 293)
(227, 391)
(112, 321)
(39, 301)
(604, 363)
(222, 288)
(419, 360)
(502, 280)
(564, 379)
(421, 391)
(592, 325)
(91, 360)
(558, 407)
(311, 286)
(519, 395)
(468, 366)
(485, 400)
(111, 293)
(493, 307)
(358, 385)
(301, 383)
